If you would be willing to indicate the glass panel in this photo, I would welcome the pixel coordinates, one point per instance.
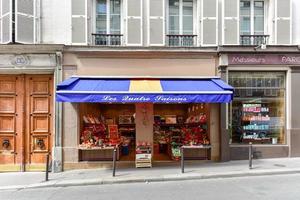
(174, 24)
(101, 6)
(115, 24)
(101, 24)
(245, 8)
(259, 8)
(258, 24)
(245, 24)
(101, 15)
(258, 17)
(115, 17)
(187, 24)
(258, 110)
(187, 7)
(174, 7)
(115, 6)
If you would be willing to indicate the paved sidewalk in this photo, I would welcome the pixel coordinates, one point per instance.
(194, 170)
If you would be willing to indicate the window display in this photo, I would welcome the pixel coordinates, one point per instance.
(105, 127)
(257, 113)
(189, 128)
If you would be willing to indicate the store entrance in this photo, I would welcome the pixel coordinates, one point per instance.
(105, 127)
(180, 124)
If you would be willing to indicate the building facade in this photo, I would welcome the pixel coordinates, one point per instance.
(234, 39)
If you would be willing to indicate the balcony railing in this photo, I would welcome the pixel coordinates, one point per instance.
(254, 39)
(107, 39)
(181, 40)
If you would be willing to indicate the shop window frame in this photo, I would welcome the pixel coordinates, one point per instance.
(285, 106)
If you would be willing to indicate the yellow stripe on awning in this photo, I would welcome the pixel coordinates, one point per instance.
(145, 86)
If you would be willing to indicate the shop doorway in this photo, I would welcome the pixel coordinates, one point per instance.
(26, 121)
(180, 124)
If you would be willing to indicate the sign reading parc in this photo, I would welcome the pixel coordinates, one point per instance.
(265, 59)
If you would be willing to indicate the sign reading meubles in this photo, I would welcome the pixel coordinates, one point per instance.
(265, 59)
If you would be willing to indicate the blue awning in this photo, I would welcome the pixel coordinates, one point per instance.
(138, 90)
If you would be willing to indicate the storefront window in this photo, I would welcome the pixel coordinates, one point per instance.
(257, 113)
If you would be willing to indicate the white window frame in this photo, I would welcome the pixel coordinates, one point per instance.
(287, 98)
(108, 28)
(252, 16)
(195, 19)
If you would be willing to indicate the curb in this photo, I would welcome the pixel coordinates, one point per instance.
(166, 178)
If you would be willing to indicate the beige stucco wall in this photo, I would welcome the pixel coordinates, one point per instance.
(70, 126)
(165, 66)
(215, 131)
(144, 122)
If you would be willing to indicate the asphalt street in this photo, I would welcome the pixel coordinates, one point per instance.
(262, 187)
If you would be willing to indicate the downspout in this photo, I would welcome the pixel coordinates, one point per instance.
(57, 147)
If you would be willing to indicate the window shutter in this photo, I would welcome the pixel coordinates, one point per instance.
(283, 33)
(230, 22)
(79, 22)
(209, 23)
(6, 21)
(134, 29)
(156, 25)
(25, 23)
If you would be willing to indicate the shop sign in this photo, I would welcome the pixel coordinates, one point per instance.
(141, 98)
(265, 59)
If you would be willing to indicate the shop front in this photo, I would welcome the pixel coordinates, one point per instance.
(264, 109)
(149, 101)
(146, 119)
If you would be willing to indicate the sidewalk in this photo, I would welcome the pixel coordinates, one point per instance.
(194, 170)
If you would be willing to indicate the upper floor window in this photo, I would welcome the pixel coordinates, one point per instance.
(19, 21)
(180, 27)
(252, 22)
(108, 22)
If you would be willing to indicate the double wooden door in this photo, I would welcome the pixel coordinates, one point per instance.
(26, 121)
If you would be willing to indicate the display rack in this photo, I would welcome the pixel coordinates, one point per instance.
(169, 137)
(255, 123)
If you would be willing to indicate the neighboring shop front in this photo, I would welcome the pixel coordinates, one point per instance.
(264, 110)
(26, 107)
(154, 125)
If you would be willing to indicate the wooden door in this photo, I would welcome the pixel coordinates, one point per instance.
(11, 122)
(26, 121)
(39, 118)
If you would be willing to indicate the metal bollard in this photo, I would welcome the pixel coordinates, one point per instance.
(182, 160)
(250, 154)
(114, 162)
(47, 168)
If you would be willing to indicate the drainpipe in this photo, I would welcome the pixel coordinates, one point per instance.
(57, 147)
